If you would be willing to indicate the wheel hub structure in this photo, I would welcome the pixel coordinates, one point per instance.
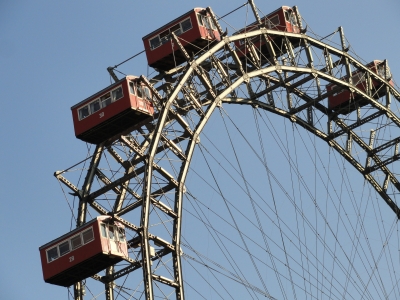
(140, 178)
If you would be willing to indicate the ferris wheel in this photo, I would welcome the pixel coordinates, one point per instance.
(258, 164)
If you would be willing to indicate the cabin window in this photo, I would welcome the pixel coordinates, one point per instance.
(358, 78)
(287, 17)
(103, 230)
(206, 22)
(64, 248)
(83, 112)
(117, 94)
(176, 29)
(164, 37)
(88, 235)
(381, 71)
(200, 19)
(139, 91)
(147, 93)
(111, 233)
(333, 87)
(121, 234)
(186, 25)
(293, 19)
(76, 241)
(155, 42)
(98, 104)
(52, 254)
(212, 23)
(94, 106)
(105, 100)
(131, 88)
(272, 22)
(290, 17)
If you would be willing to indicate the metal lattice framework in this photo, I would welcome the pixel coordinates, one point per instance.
(139, 179)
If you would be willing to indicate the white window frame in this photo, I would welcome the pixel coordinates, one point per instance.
(191, 25)
(104, 225)
(380, 70)
(101, 103)
(199, 19)
(115, 232)
(207, 19)
(111, 93)
(131, 85)
(161, 42)
(74, 236)
(79, 114)
(290, 17)
(86, 230)
(70, 244)
(123, 234)
(90, 106)
(51, 248)
(147, 94)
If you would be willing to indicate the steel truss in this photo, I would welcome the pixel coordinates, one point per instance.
(153, 160)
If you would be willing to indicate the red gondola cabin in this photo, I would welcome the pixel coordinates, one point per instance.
(339, 100)
(83, 252)
(282, 19)
(195, 30)
(113, 110)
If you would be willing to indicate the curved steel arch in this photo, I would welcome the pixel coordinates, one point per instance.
(291, 113)
(186, 98)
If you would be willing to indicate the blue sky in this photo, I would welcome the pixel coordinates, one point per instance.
(54, 54)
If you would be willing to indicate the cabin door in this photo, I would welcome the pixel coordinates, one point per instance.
(293, 27)
(207, 23)
(113, 247)
(113, 238)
